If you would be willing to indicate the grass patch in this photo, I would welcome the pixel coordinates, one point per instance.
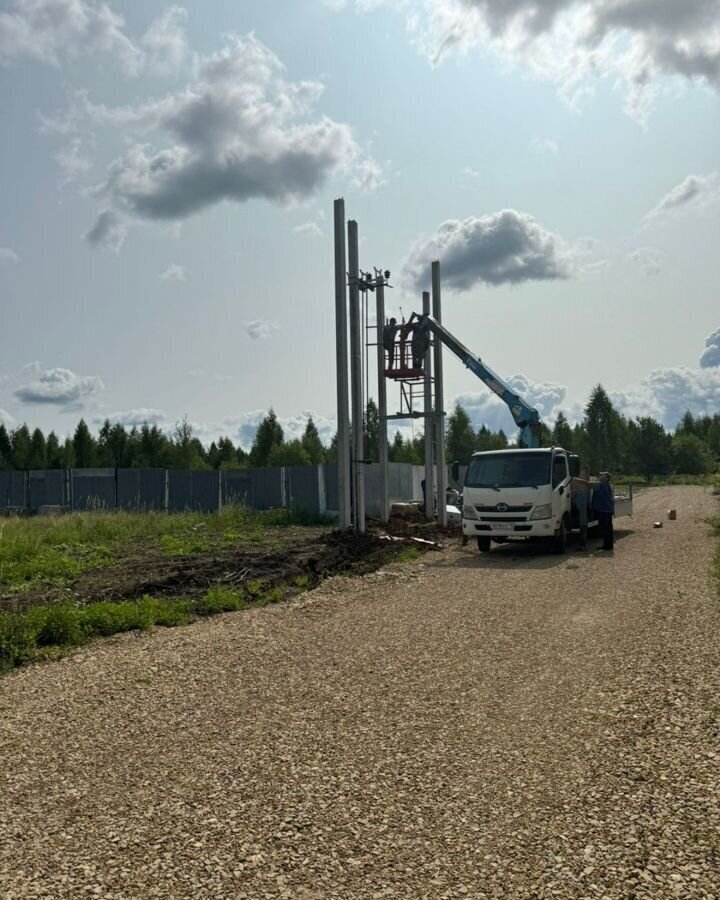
(57, 550)
(43, 632)
(49, 630)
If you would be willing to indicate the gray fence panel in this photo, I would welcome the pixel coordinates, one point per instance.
(141, 489)
(13, 489)
(269, 492)
(46, 487)
(93, 488)
(303, 487)
(193, 490)
(330, 473)
(238, 488)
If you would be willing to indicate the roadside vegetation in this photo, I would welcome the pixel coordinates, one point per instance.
(48, 631)
(56, 550)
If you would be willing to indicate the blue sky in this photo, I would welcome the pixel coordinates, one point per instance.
(168, 173)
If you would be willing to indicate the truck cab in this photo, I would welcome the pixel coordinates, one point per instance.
(518, 494)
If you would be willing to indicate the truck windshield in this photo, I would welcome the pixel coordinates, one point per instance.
(509, 470)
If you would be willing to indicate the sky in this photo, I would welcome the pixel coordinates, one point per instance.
(167, 175)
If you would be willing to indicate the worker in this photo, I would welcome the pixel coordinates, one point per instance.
(419, 344)
(388, 338)
(603, 504)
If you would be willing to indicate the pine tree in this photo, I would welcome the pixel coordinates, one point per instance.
(562, 435)
(461, 439)
(602, 425)
(312, 444)
(84, 447)
(268, 436)
(650, 448)
(38, 451)
(5, 448)
(21, 448)
(55, 456)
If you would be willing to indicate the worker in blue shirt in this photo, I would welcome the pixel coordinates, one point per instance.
(603, 504)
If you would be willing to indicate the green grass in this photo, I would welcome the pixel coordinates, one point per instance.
(715, 523)
(25, 636)
(59, 549)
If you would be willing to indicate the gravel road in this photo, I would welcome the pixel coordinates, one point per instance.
(517, 725)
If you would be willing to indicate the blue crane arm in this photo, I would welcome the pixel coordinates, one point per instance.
(526, 417)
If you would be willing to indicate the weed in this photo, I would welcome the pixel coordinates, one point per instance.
(301, 581)
(219, 599)
(407, 554)
(54, 625)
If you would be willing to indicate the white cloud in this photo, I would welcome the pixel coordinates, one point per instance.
(8, 256)
(109, 230)
(667, 393)
(240, 131)
(636, 42)
(48, 30)
(485, 408)
(506, 247)
(241, 429)
(44, 30)
(134, 418)
(72, 161)
(174, 272)
(60, 387)
(164, 42)
(694, 192)
(711, 355)
(648, 258)
(260, 329)
(545, 146)
(6, 419)
(312, 229)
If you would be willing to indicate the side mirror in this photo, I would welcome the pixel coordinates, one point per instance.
(455, 472)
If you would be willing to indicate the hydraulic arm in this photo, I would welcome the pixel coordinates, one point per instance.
(526, 417)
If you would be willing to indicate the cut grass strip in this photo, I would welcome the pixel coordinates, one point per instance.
(23, 635)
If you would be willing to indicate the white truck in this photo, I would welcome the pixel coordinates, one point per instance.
(525, 494)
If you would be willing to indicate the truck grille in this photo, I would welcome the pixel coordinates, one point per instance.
(508, 509)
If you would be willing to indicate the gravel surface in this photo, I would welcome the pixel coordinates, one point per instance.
(517, 725)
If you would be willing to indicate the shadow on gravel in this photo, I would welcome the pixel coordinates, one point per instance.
(535, 555)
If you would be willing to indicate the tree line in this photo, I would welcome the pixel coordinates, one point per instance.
(605, 440)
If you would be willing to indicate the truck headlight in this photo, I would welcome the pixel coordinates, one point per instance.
(544, 511)
(469, 512)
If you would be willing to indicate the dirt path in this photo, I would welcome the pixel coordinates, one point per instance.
(511, 726)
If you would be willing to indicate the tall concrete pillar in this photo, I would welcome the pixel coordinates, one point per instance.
(441, 468)
(341, 354)
(382, 400)
(356, 383)
(428, 408)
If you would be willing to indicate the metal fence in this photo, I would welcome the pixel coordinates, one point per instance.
(310, 488)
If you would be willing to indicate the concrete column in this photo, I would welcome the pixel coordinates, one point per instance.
(356, 383)
(441, 468)
(428, 409)
(382, 400)
(341, 356)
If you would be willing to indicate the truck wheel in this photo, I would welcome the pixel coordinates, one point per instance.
(560, 539)
(483, 544)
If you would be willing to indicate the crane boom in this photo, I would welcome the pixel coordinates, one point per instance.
(526, 417)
